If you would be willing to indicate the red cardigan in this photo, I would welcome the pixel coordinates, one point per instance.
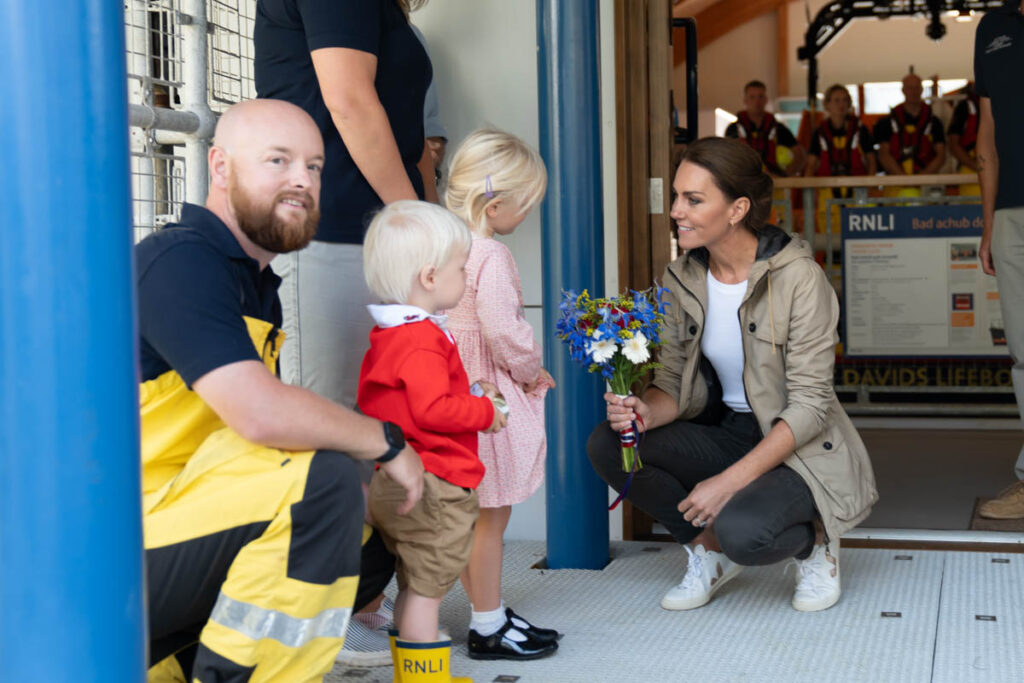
(413, 376)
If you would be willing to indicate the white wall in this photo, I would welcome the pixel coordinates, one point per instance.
(744, 54)
(485, 65)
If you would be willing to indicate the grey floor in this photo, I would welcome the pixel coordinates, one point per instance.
(929, 479)
(905, 616)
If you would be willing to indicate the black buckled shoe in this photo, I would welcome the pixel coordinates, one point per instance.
(499, 646)
(547, 635)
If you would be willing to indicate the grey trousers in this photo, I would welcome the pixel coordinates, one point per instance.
(324, 297)
(327, 327)
(1008, 259)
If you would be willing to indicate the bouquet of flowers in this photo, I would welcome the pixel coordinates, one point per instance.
(614, 336)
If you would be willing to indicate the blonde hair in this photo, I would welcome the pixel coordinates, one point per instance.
(493, 161)
(403, 238)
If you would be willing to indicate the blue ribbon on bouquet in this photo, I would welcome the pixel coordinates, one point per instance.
(629, 438)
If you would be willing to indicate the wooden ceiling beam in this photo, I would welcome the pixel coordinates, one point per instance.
(725, 15)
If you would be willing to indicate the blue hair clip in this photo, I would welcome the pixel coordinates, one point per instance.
(488, 188)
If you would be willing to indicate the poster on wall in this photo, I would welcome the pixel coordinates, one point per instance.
(913, 285)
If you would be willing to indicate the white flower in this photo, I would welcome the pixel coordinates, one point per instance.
(602, 350)
(636, 350)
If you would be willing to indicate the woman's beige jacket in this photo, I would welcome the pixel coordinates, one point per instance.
(788, 320)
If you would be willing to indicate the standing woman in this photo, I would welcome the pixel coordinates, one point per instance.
(749, 458)
(358, 69)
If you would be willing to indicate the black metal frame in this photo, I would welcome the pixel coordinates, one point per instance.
(833, 18)
(690, 26)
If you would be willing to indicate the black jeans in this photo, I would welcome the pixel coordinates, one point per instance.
(768, 521)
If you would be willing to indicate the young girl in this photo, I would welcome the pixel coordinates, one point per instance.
(494, 181)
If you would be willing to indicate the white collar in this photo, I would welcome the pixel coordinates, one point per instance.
(393, 315)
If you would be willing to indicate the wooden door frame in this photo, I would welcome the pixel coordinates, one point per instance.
(644, 138)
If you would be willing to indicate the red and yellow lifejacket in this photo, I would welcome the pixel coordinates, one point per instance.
(841, 154)
(763, 139)
(911, 142)
(969, 136)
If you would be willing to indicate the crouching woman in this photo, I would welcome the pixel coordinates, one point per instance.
(748, 457)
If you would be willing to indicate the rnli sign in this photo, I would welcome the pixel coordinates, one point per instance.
(873, 222)
(912, 284)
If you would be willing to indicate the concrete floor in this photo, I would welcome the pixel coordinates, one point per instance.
(929, 479)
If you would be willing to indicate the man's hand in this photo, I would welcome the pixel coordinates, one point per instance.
(406, 470)
(985, 254)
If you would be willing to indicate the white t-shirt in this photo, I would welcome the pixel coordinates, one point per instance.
(722, 343)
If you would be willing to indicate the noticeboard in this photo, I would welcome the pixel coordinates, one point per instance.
(913, 285)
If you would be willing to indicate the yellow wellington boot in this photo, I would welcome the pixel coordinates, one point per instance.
(425, 662)
(392, 636)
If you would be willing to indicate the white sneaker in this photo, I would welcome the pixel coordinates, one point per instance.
(706, 572)
(817, 579)
(364, 647)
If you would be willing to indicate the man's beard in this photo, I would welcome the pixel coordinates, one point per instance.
(261, 224)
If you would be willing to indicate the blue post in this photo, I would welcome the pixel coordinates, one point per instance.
(71, 596)
(573, 258)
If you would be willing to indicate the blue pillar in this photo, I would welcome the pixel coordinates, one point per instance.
(71, 597)
(573, 258)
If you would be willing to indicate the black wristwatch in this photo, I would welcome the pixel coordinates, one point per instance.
(396, 442)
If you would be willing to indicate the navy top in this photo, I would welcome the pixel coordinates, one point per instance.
(998, 65)
(286, 32)
(194, 285)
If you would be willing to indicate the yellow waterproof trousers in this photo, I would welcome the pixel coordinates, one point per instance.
(252, 558)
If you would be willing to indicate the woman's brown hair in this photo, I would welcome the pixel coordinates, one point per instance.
(738, 172)
(834, 88)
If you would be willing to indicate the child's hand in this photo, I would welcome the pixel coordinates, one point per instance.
(499, 421)
(490, 391)
(544, 377)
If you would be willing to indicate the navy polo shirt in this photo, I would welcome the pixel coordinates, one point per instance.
(194, 286)
(284, 35)
(998, 69)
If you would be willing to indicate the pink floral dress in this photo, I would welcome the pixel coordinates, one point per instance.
(497, 345)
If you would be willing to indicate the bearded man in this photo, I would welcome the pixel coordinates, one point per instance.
(253, 510)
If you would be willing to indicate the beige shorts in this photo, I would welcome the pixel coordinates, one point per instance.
(432, 541)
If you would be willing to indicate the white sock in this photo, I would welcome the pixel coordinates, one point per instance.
(517, 622)
(487, 623)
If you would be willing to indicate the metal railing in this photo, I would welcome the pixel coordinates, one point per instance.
(188, 60)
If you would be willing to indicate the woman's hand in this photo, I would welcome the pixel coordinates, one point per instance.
(544, 377)
(707, 499)
(622, 412)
